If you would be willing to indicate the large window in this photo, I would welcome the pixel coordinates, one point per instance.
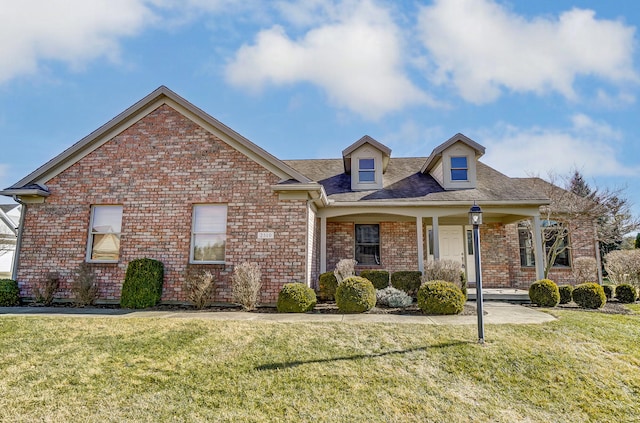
(367, 250)
(459, 169)
(209, 233)
(104, 234)
(366, 171)
(552, 230)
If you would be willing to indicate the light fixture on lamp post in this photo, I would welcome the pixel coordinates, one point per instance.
(475, 219)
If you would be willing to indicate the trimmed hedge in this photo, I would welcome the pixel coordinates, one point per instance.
(327, 283)
(407, 281)
(296, 298)
(545, 293)
(626, 293)
(142, 285)
(440, 297)
(589, 295)
(9, 293)
(355, 295)
(379, 278)
(565, 293)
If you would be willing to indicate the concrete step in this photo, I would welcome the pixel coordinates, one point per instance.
(501, 294)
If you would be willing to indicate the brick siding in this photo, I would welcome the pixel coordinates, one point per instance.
(157, 169)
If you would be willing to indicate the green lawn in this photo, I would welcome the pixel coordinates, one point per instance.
(583, 367)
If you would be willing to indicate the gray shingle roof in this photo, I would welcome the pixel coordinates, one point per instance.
(404, 182)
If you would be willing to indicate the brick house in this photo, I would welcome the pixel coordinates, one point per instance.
(167, 181)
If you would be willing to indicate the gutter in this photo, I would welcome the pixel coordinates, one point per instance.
(459, 203)
(16, 254)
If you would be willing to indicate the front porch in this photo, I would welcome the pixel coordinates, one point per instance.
(408, 237)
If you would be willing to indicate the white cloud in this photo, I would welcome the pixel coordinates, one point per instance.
(356, 59)
(590, 146)
(70, 31)
(482, 48)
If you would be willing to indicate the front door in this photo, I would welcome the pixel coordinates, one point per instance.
(456, 244)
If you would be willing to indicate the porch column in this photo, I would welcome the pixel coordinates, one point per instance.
(436, 238)
(323, 244)
(539, 251)
(420, 244)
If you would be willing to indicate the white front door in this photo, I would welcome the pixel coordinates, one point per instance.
(456, 244)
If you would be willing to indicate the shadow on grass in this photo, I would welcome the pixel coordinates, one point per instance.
(289, 364)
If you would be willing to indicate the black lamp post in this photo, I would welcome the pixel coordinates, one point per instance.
(475, 219)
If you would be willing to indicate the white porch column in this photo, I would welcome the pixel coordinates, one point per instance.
(539, 251)
(420, 244)
(323, 244)
(436, 238)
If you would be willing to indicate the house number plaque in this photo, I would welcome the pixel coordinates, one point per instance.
(265, 235)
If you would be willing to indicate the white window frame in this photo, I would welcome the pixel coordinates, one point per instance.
(466, 169)
(372, 170)
(92, 233)
(192, 259)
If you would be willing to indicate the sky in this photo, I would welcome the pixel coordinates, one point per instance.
(546, 85)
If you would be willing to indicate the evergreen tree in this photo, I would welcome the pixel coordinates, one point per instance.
(638, 240)
(577, 185)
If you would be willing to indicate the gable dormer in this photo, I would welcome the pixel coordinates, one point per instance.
(366, 161)
(453, 163)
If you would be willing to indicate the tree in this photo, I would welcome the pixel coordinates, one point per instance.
(578, 205)
(637, 245)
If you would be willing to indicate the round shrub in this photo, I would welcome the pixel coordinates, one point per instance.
(355, 295)
(392, 297)
(296, 298)
(565, 293)
(589, 295)
(407, 281)
(328, 284)
(626, 293)
(544, 293)
(9, 293)
(609, 291)
(440, 297)
(379, 278)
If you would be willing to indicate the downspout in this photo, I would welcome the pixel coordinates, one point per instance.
(16, 255)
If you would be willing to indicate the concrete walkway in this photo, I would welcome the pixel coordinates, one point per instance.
(495, 313)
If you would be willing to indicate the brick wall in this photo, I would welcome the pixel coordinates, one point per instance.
(398, 245)
(157, 169)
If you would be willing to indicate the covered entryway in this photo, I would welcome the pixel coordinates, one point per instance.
(456, 244)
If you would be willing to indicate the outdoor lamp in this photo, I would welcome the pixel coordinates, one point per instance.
(475, 219)
(475, 215)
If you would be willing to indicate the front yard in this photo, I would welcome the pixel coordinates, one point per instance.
(583, 367)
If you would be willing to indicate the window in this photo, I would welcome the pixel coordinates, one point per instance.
(459, 169)
(367, 244)
(104, 234)
(366, 170)
(209, 233)
(469, 242)
(552, 230)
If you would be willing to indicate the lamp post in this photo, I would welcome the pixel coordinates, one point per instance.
(475, 219)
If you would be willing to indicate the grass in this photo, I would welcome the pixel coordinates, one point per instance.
(583, 367)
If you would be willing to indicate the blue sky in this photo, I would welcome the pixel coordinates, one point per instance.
(544, 85)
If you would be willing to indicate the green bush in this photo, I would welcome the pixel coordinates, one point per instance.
(626, 293)
(407, 281)
(328, 284)
(565, 293)
(609, 291)
(379, 278)
(440, 297)
(589, 295)
(296, 298)
(142, 285)
(544, 293)
(9, 293)
(355, 295)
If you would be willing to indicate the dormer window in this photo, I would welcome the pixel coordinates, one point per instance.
(366, 171)
(459, 169)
